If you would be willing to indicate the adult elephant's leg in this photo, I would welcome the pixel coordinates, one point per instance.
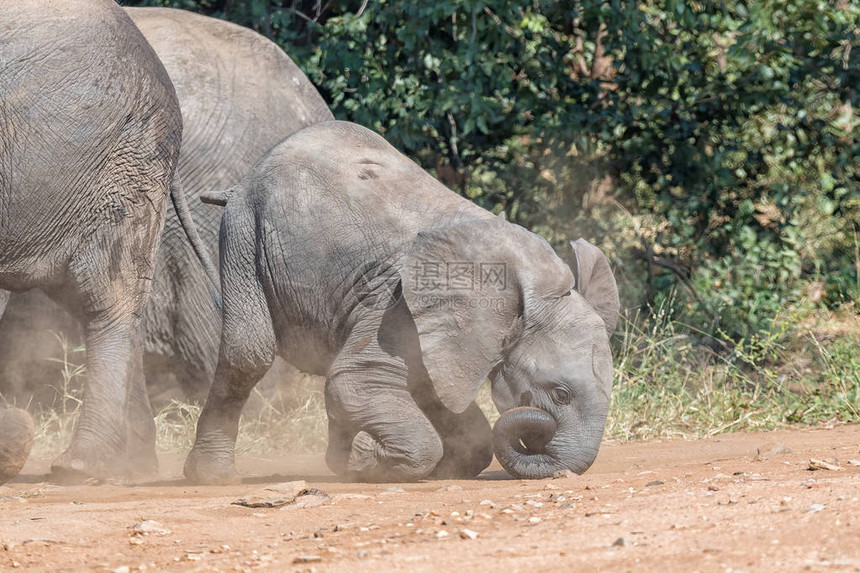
(181, 322)
(115, 434)
(367, 398)
(108, 285)
(467, 442)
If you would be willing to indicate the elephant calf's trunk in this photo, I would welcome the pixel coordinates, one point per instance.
(16, 440)
(519, 439)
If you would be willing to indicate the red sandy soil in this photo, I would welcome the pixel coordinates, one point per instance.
(737, 502)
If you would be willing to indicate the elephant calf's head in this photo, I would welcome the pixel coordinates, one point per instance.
(507, 307)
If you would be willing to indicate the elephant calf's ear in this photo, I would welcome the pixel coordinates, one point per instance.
(595, 282)
(457, 288)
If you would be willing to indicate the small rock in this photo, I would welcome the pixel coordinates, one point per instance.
(815, 464)
(769, 450)
(450, 487)
(653, 483)
(314, 558)
(468, 534)
(487, 502)
(534, 520)
(122, 569)
(148, 527)
(441, 534)
(312, 497)
(392, 489)
(341, 496)
(853, 462)
(561, 474)
(621, 542)
(274, 495)
(816, 507)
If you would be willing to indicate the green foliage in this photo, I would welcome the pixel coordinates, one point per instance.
(803, 370)
(710, 148)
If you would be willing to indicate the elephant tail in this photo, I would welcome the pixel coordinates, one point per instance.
(219, 198)
(177, 196)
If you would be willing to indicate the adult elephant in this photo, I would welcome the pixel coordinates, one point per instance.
(240, 94)
(345, 258)
(89, 143)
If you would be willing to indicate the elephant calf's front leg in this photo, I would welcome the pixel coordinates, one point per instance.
(378, 433)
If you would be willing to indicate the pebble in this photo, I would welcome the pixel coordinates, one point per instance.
(620, 542)
(273, 495)
(828, 464)
(147, 527)
(392, 489)
(468, 534)
(441, 534)
(313, 558)
(310, 498)
(450, 487)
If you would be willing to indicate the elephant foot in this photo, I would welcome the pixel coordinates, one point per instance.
(463, 467)
(364, 456)
(78, 464)
(204, 468)
(16, 441)
(370, 461)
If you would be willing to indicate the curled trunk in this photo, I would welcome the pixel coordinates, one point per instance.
(530, 444)
(16, 440)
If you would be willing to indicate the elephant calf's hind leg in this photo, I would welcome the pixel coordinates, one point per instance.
(247, 351)
(467, 442)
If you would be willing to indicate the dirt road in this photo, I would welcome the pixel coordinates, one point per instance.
(705, 505)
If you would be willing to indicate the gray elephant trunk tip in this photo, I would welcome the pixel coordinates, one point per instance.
(520, 439)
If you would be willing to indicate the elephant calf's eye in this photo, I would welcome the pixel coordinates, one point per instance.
(561, 395)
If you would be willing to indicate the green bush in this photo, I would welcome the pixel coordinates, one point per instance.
(710, 148)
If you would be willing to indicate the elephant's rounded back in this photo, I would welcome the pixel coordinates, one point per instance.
(92, 126)
(240, 94)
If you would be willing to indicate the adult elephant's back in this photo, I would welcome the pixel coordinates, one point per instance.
(240, 94)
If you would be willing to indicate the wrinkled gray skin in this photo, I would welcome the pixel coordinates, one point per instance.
(90, 131)
(240, 94)
(328, 247)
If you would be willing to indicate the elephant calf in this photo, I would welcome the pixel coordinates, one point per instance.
(347, 259)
